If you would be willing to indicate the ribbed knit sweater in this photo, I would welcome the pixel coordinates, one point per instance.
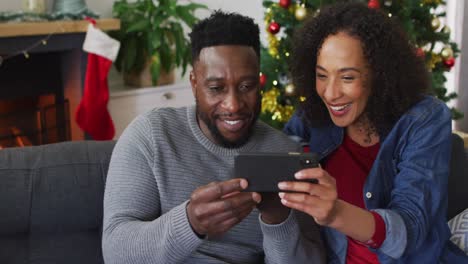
(159, 160)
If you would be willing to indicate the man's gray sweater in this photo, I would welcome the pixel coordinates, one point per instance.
(159, 160)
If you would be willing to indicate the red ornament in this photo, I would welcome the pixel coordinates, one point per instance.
(373, 4)
(420, 53)
(285, 3)
(274, 28)
(263, 79)
(449, 62)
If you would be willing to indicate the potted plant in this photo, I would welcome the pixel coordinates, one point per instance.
(153, 41)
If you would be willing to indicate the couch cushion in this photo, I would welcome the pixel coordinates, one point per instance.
(53, 188)
(15, 199)
(70, 248)
(51, 199)
(67, 197)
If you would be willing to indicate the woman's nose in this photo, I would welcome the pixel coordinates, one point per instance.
(332, 90)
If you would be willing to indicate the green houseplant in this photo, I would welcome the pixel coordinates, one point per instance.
(152, 38)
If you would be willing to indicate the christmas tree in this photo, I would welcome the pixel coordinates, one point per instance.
(420, 19)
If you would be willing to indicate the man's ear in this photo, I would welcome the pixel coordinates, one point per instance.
(193, 82)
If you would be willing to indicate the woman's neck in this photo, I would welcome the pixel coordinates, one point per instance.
(363, 133)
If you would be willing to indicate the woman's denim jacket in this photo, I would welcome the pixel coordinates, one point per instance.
(407, 185)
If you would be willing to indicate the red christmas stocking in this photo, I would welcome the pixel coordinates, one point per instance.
(92, 114)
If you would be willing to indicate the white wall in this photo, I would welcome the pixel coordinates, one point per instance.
(252, 8)
(103, 7)
(462, 70)
(10, 5)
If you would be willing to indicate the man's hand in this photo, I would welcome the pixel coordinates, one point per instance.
(215, 208)
(271, 209)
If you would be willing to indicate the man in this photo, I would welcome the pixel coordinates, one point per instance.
(170, 196)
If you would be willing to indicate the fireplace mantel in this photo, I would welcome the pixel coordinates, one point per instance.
(56, 27)
(57, 65)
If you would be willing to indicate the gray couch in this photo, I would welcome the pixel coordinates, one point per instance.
(51, 200)
(458, 179)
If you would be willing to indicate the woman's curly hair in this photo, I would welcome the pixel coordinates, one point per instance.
(398, 76)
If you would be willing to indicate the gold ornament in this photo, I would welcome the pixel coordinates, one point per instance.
(435, 58)
(290, 90)
(446, 30)
(268, 16)
(272, 41)
(446, 52)
(435, 23)
(270, 105)
(288, 112)
(276, 115)
(273, 52)
(301, 12)
(283, 113)
(269, 102)
(273, 44)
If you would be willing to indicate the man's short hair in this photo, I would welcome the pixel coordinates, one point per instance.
(224, 29)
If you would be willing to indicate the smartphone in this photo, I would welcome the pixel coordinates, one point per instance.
(264, 171)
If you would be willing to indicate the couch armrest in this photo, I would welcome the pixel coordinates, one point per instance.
(458, 178)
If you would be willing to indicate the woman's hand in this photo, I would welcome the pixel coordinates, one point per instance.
(318, 200)
(321, 202)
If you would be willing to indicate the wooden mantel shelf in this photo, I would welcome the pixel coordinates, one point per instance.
(54, 27)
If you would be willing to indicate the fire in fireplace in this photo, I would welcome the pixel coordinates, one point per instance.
(29, 121)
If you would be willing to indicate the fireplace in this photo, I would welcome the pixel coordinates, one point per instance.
(34, 104)
(30, 121)
(40, 89)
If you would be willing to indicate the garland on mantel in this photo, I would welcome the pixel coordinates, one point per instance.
(21, 16)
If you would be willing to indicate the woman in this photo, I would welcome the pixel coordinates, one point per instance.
(384, 144)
